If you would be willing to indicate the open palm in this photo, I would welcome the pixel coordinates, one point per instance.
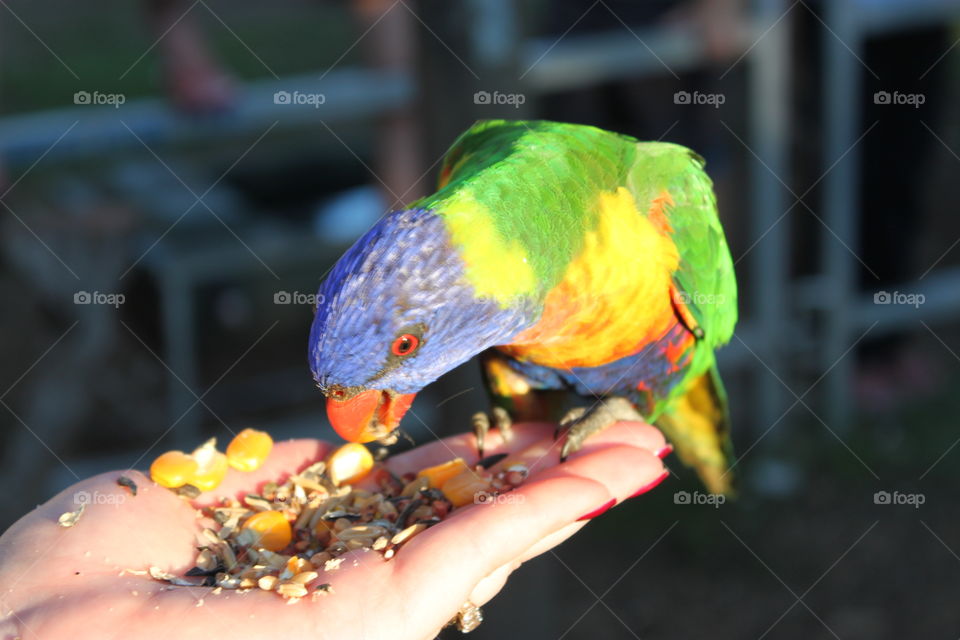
(77, 583)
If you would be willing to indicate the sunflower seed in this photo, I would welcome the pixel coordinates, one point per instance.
(124, 481)
(70, 518)
(408, 533)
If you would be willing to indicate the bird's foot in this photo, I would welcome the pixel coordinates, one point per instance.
(580, 423)
(481, 425)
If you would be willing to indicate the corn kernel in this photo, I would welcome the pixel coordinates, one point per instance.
(272, 528)
(462, 489)
(350, 463)
(296, 565)
(267, 583)
(173, 469)
(439, 474)
(211, 466)
(248, 450)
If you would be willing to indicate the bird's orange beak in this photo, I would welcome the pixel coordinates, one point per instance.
(368, 416)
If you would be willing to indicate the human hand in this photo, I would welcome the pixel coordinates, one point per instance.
(60, 582)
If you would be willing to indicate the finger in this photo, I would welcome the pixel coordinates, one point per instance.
(460, 552)
(604, 469)
(464, 446)
(491, 585)
(551, 541)
(545, 453)
(525, 435)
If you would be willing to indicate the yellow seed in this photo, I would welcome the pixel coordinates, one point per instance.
(248, 450)
(408, 533)
(350, 463)
(296, 565)
(267, 583)
(292, 590)
(304, 577)
(211, 466)
(464, 487)
(272, 529)
(173, 469)
(415, 486)
(438, 474)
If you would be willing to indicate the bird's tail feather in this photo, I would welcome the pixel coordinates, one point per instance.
(698, 425)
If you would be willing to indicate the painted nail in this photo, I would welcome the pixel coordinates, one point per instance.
(651, 485)
(665, 451)
(604, 507)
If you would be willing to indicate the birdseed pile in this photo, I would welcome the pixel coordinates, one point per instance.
(285, 538)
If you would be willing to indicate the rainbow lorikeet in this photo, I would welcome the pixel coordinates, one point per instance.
(570, 258)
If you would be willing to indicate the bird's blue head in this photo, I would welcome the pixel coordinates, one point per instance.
(395, 313)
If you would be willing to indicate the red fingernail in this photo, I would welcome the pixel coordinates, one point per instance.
(651, 485)
(593, 514)
(667, 450)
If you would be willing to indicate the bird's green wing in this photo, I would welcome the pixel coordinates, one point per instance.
(695, 417)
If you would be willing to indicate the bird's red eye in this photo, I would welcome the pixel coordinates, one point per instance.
(405, 344)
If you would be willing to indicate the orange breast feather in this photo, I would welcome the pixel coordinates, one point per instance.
(614, 298)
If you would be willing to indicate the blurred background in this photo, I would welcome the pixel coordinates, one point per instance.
(176, 177)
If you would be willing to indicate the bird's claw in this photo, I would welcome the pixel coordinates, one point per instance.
(580, 423)
(481, 426)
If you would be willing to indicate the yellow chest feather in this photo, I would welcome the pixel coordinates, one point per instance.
(614, 297)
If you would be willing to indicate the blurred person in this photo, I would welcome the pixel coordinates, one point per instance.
(197, 84)
(388, 44)
(194, 81)
(391, 46)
